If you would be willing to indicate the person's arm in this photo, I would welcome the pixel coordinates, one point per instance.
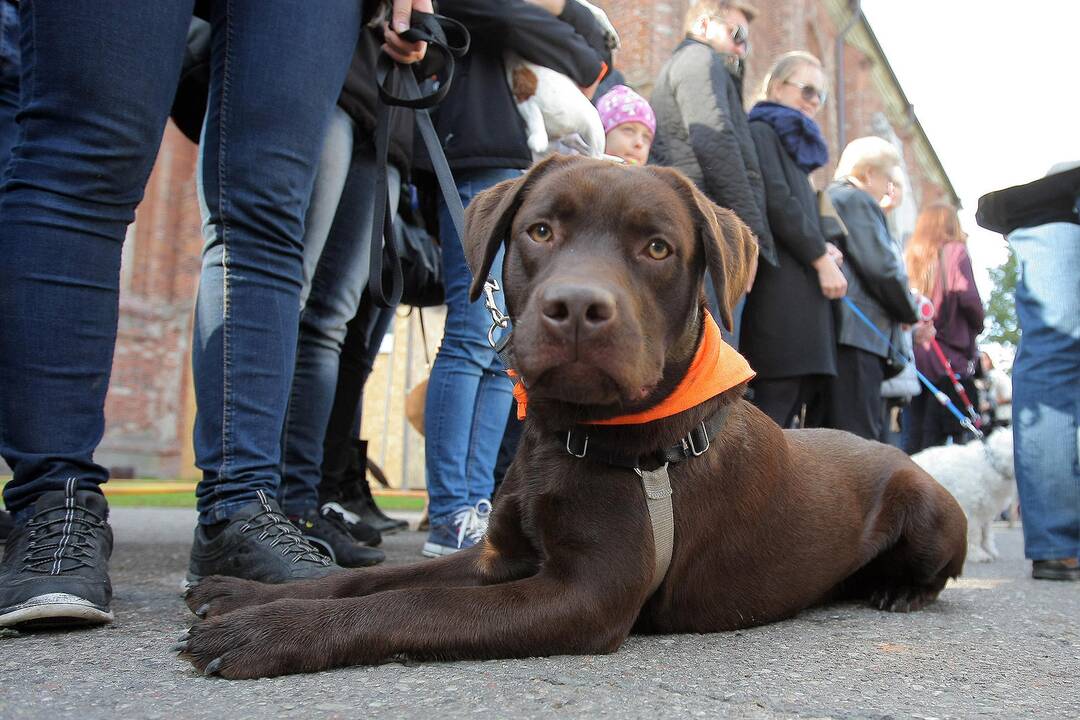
(530, 31)
(700, 84)
(967, 295)
(870, 252)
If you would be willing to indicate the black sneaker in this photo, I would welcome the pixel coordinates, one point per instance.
(259, 543)
(56, 567)
(327, 530)
(356, 500)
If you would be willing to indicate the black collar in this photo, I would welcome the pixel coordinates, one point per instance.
(695, 443)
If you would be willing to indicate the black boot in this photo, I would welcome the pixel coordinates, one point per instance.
(356, 494)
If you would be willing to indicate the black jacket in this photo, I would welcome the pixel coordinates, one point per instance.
(1053, 198)
(478, 122)
(874, 268)
(701, 129)
(787, 326)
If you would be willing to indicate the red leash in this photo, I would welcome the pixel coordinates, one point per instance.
(957, 386)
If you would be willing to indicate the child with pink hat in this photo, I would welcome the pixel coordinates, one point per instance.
(629, 123)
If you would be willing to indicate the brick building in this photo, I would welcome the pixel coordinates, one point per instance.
(150, 407)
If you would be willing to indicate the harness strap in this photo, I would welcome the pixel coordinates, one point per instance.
(657, 487)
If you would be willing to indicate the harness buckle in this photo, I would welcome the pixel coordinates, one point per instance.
(689, 440)
(584, 447)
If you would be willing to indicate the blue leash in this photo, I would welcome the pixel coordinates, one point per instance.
(941, 397)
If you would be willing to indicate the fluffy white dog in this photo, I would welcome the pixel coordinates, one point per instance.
(981, 477)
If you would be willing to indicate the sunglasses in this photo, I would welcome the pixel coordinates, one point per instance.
(809, 92)
(740, 34)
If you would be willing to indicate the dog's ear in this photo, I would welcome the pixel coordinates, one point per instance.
(490, 215)
(730, 247)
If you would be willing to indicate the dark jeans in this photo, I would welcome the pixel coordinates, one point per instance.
(9, 79)
(98, 80)
(928, 424)
(854, 396)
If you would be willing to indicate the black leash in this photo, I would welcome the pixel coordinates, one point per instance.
(446, 39)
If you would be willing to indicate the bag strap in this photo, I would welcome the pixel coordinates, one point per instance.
(446, 40)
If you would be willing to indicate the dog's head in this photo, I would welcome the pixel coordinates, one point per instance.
(603, 277)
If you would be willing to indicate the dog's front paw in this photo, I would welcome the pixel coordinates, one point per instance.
(218, 595)
(977, 555)
(263, 641)
(902, 598)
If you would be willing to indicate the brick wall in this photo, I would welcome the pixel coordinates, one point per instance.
(150, 405)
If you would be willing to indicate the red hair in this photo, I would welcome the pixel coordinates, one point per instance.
(937, 225)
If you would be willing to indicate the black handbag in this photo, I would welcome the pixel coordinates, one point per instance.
(421, 260)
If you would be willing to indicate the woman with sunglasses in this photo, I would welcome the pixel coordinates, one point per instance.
(788, 334)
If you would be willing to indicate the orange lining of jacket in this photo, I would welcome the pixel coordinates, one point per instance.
(716, 367)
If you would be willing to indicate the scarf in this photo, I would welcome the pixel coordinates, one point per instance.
(800, 136)
(716, 367)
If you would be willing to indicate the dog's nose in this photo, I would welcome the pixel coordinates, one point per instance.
(577, 310)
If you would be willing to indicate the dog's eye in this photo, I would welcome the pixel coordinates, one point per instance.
(541, 232)
(658, 249)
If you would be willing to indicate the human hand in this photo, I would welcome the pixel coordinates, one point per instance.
(399, 50)
(925, 332)
(832, 281)
(591, 90)
(834, 252)
(555, 7)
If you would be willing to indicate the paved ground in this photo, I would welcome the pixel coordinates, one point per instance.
(997, 644)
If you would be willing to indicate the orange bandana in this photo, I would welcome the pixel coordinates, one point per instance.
(716, 367)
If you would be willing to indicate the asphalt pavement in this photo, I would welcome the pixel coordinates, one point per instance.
(997, 644)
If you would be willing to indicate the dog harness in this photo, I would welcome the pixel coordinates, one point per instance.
(716, 368)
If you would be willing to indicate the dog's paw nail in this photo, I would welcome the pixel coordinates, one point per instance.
(181, 646)
(203, 609)
(185, 636)
(213, 666)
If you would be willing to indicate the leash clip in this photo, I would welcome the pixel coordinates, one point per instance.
(498, 318)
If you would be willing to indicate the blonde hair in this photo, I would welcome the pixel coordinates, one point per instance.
(866, 153)
(787, 65)
(716, 7)
(936, 226)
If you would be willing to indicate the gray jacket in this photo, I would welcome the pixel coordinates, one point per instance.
(874, 268)
(702, 130)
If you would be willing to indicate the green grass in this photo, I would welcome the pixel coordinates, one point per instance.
(188, 500)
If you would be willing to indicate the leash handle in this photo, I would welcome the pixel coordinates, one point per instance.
(941, 397)
(390, 78)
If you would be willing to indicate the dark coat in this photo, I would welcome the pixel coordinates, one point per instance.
(787, 326)
(874, 268)
(478, 122)
(701, 129)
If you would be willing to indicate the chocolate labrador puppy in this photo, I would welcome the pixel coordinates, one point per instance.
(603, 275)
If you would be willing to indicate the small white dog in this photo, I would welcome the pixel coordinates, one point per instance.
(980, 475)
(552, 105)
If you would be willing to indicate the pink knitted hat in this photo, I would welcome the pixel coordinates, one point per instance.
(621, 105)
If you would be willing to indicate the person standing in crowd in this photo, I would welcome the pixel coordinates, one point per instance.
(877, 286)
(1042, 222)
(629, 124)
(787, 334)
(469, 393)
(701, 127)
(90, 124)
(337, 253)
(995, 394)
(939, 268)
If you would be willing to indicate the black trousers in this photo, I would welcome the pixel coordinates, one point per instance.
(782, 399)
(928, 424)
(854, 402)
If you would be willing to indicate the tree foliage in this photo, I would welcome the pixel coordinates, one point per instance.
(1001, 311)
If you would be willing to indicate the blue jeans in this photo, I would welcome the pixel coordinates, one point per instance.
(9, 79)
(468, 394)
(1046, 389)
(94, 115)
(336, 256)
